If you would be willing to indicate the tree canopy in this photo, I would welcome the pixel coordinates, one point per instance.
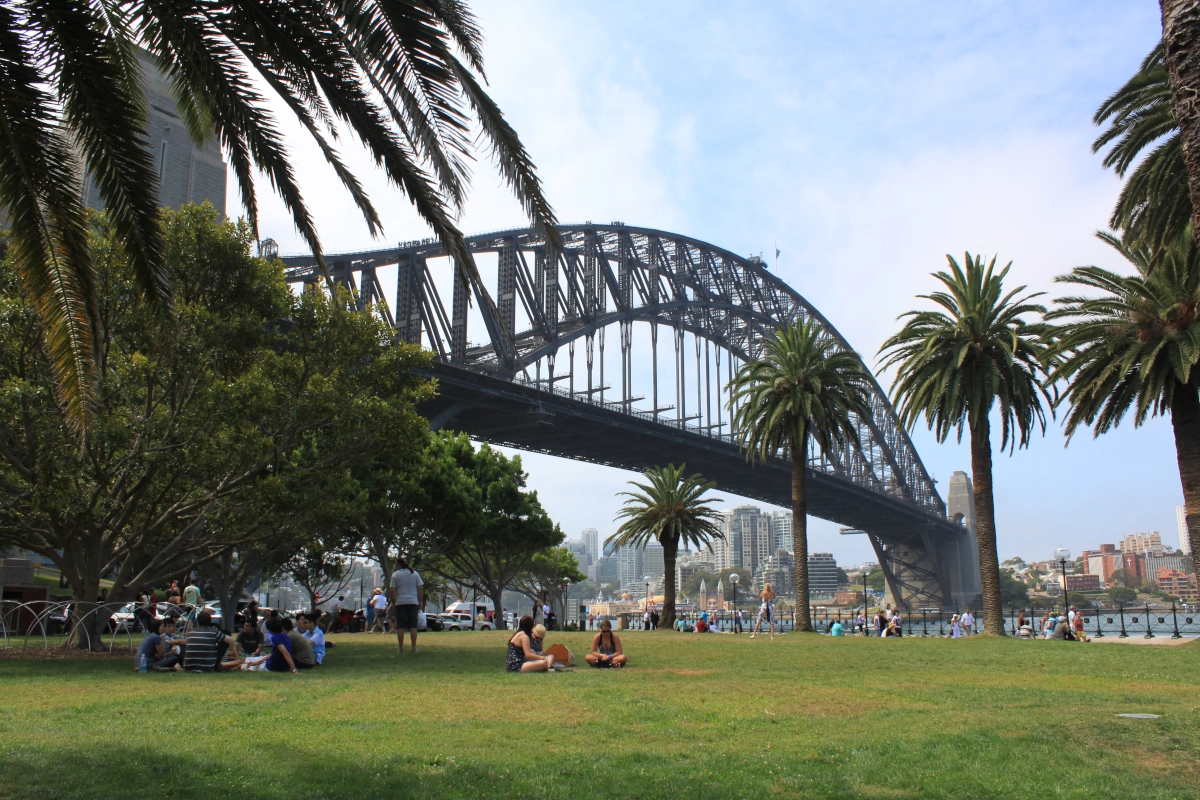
(247, 399)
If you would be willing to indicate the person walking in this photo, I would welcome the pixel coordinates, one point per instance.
(766, 610)
(407, 592)
(955, 627)
(968, 623)
(379, 605)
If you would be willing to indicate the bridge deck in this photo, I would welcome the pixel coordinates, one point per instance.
(502, 412)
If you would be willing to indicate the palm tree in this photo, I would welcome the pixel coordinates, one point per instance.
(804, 385)
(955, 365)
(671, 508)
(401, 75)
(1154, 206)
(1135, 347)
(1181, 58)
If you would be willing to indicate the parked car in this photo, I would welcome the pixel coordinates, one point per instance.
(434, 623)
(463, 622)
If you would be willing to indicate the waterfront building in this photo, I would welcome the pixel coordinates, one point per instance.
(633, 567)
(1177, 583)
(822, 574)
(1083, 583)
(652, 561)
(1176, 562)
(780, 571)
(781, 532)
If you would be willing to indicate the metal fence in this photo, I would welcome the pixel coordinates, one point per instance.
(72, 624)
(1175, 622)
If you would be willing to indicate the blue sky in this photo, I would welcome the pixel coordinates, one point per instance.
(866, 141)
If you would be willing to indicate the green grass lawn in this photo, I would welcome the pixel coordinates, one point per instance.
(693, 717)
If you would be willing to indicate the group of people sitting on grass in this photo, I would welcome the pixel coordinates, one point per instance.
(274, 644)
(525, 649)
(1068, 627)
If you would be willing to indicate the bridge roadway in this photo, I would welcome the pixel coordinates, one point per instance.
(524, 417)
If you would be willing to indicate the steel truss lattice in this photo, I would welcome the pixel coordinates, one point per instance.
(606, 279)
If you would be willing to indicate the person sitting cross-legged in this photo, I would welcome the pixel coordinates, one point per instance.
(280, 657)
(206, 645)
(249, 641)
(606, 649)
(308, 627)
(522, 655)
(151, 651)
(302, 649)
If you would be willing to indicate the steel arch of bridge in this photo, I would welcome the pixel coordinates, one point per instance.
(609, 277)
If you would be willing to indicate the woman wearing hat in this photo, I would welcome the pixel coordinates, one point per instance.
(524, 649)
(379, 604)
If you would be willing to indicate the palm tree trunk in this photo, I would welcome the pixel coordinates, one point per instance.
(985, 526)
(803, 619)
(1181, 45)
(1185, 419)
(670, 550)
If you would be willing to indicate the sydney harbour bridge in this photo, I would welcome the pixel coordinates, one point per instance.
(616, 348)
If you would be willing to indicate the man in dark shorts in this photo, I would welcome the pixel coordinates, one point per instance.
(407, 593)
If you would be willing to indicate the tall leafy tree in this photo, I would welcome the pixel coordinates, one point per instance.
(404, 77)
(956, 365)
(549, 574)
(803, 387)
(1154, 206)
(669, 507)
(1133, 347)
(512, 528)
(193, 417)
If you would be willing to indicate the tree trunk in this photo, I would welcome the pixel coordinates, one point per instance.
(985, 526)
(1185, 419)
(803, 619)
(496, 593)
(1181, 57)
(670, 550)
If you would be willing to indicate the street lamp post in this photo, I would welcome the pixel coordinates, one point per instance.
(566, 582)
(733, 581)
(1062, 554)
(646, 616)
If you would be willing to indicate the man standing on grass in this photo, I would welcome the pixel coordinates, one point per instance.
(407, 593)
(968, 622)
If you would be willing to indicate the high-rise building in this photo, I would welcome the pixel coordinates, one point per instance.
(747, 537)
(1148, 544)
(633, 568)
(718, 549)
(781, 532)
(591, 540)
(822, 574)
(608, 569)
(579, 550)
(653, 561)
(780, 571)
(1185, 541)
